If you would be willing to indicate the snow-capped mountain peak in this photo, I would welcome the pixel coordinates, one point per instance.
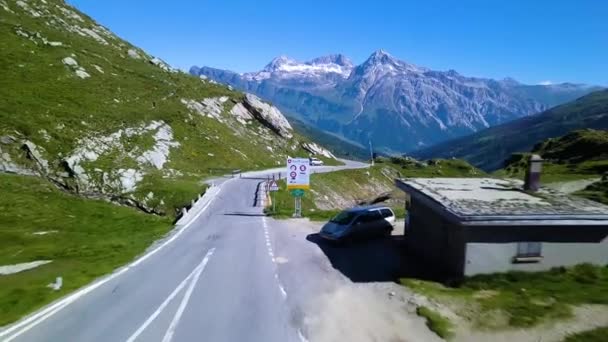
(338, 59)
(278, 62)
(322, 67)
(382, 60)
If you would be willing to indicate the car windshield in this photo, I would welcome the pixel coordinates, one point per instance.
(344, 217)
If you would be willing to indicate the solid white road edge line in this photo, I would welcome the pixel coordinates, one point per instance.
(45, 313)
(197, 270)
(186, 299)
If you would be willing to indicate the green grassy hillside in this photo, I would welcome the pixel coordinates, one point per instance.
(488, 149)
(578, 155)
(102, 118)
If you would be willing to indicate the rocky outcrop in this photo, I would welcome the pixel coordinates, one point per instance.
(211, 107)
(317, 150)
(33, 154)
(162, 64)
(241, 114)
(10, 144)
(268, 115)
(252, 107)
(79, 172)
(78, 70)
(80, 164)
(159, 154)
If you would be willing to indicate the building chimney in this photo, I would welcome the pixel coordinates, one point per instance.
(532, 181)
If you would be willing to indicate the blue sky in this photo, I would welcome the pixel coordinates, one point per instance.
(530, 40)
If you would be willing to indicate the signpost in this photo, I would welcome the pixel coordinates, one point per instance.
(298, 180)
(273, 186)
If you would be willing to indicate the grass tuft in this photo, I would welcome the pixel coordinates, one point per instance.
(437, 323)
(526, 298)
(595, 335)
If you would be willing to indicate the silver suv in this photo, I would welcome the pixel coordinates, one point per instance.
(359, 222)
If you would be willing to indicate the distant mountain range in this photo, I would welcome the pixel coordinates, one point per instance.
(401, 107)
(490, 148)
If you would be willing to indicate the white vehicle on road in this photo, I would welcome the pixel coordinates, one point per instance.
(315, 161)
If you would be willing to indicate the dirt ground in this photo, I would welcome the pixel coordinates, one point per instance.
(328, 304)
(348, 293)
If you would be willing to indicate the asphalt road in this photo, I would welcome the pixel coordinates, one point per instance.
(214, 279)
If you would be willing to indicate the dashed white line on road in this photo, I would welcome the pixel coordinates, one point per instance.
(271, 253)
(197, 270)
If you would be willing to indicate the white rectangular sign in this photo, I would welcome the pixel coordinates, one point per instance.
(298, 173)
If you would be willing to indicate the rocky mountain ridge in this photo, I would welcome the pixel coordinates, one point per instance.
(490, 148)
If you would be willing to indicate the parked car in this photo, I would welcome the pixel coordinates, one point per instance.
(359, 223)
(315, 161)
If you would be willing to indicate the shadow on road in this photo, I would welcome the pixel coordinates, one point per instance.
(255, 178)
(382, 259)
(245, 214)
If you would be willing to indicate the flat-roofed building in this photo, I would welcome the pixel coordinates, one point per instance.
(468, 226)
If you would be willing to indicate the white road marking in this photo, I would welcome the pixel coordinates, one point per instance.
(186, 299)
(283, 292)
(197, 270)
(301, 336)
(29, 322)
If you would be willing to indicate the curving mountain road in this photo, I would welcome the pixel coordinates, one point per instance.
(215, 279)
